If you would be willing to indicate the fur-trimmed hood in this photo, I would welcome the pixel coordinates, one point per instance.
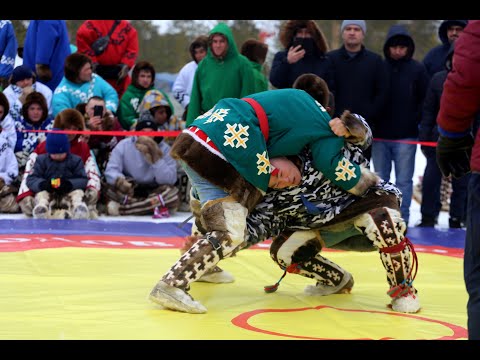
(73, 64)
(35, 97)
(290, 28)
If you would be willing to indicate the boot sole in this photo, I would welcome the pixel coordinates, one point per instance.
(170, 298)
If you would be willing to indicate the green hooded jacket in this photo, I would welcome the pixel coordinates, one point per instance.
(295, 120)
(215, 79)
(128, 109)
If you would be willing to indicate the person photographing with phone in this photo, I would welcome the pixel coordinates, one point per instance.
(304, 52)
(99, 118)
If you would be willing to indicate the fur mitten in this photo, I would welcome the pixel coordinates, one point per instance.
(355, 126)
(124, 186)
(44, 74)
(91, 196)
(2, 183)
(149, 148)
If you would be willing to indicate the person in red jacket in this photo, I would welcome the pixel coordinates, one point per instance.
(459, 103)
(115, 61)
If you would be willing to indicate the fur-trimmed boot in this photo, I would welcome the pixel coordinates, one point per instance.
(216, 275)
(79, 208)
(225, 222)
(386, 228)
(8, 193)
(42, 202)
(299, 253)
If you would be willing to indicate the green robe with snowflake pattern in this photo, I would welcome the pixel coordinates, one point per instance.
(295, 120)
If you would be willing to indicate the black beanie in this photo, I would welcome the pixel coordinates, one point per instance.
(146, 120)
(20, 73)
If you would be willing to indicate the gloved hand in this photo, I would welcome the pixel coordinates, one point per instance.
(149, 149)
(453, 155)
(44, 74)
(65, 186)
(124, 186)
(22, 158)
(27, 204)
(122, 74)
(91, 196)
(46, 185)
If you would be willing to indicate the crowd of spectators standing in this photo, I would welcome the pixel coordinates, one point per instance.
(104, 86)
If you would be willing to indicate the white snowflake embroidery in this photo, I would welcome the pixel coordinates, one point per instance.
(236, 140)
(263, 163)
(217, 115)
(320, 106)
(205, 115)
(345, 170)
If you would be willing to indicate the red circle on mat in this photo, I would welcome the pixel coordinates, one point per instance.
(243, 319)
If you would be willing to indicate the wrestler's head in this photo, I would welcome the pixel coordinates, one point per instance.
(285, 173)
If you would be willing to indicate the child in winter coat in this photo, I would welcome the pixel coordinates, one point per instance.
(59, 180)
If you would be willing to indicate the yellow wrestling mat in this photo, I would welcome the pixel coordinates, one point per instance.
(101, 293)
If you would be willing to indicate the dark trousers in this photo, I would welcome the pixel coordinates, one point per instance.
(432, 180)
(471, 264)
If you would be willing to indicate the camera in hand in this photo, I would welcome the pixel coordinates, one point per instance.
(98, 110)
(297, 41)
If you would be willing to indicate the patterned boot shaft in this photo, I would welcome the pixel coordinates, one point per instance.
(298, 253)
(226, 224)
(386, 229)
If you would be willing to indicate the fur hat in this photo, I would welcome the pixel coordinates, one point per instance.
(69, 118)
(57, 143)
(35, 97)
(73, 64)
(254, 50)
(199, 42)
(291, 27)
(142, 65)
(5, 104)
(315, 86)
(361, 23)
(146, 120)
(20, 73)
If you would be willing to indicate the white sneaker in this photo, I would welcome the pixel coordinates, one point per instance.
(217, 276)
(174, 298)
(345, 287)
(406, 304)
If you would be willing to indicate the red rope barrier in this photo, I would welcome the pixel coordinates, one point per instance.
(110, 133)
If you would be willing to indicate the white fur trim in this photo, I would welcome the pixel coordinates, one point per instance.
(294, 242)
(204, 143)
